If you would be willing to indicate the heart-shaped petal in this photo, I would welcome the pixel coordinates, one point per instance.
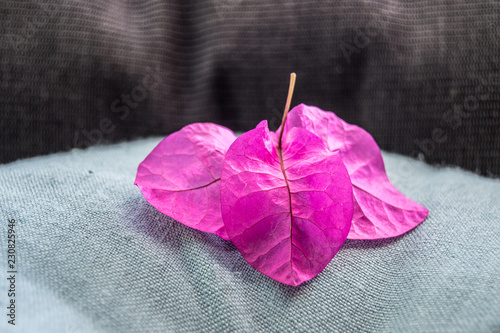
(380, 210)
(181, 176)
(288, 210)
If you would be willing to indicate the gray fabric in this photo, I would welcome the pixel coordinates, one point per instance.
(423, 77)
(94, 256)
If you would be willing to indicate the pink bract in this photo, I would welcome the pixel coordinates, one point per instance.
(380, 210)
(181, 176)
(288, 215)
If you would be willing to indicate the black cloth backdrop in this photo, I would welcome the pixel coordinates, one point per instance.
(421, 76)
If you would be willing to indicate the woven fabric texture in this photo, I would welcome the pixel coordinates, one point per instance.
(421, 76)
(94, 256)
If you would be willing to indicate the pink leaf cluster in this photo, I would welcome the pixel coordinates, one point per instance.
(287, 206)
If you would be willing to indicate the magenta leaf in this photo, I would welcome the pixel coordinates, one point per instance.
(288, 210)
(380, 210)
(181, 176)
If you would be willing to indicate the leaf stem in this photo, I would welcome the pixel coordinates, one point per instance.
(293, 76)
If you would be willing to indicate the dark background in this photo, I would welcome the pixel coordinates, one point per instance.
(422, 77)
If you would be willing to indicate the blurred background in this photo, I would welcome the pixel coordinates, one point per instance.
(422, 77)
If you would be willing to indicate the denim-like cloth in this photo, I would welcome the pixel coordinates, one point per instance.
(94, 256)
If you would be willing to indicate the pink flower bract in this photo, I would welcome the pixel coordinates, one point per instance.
(289, 210)
(380, 210)
(181, 176)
